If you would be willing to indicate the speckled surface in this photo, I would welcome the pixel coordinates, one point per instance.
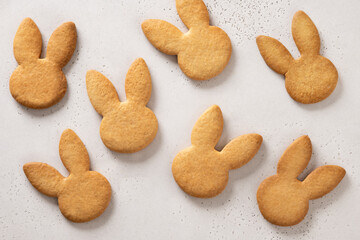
(146, 202)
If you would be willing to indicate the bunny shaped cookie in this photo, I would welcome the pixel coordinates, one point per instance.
(202, 171)
(40, 83)
(283, 199)
(203, 52)
(310, 78)
(126, 126)
(84, 194)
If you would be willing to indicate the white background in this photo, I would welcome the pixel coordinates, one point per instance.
(146, 202)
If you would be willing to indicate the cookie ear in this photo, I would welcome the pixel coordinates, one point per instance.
(193, 13)
(101, 91)
(62, 44)
(241, 150)
(295, 158)
(323, 180)
(138, 83)
(208, 128)
(163, 35)
(275, 54)
(27, 42)
(305, 34)
(73, 153)
(44, 178)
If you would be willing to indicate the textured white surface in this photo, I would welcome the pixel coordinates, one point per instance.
(146, 202)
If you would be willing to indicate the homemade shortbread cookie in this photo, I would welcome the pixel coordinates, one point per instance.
(200, 170)
(310, 78)
(283, 199)
(203, 52)
(127, 126)
(40, 83)
(84, 194)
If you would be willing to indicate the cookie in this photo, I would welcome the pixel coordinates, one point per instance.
(200, 170)
(310, 78)
(283, 199)
(40, 83)
(84, 194)
(127, 126)
(203, 52)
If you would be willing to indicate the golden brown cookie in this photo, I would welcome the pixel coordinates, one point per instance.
(203, 52)
(84, 194)
(127, 126)
(200, 170)
(40, 83)
(283, 199)
(310, 78)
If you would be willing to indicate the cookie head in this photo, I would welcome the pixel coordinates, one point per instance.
(210, 56)
(40, 83)
(201, 174)
(310, 78)
(84, 194)
(27, 84)
(275, 204)
(282, 198)
(203, 52)
(126, 126)
(89, 185)
(200, 170)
